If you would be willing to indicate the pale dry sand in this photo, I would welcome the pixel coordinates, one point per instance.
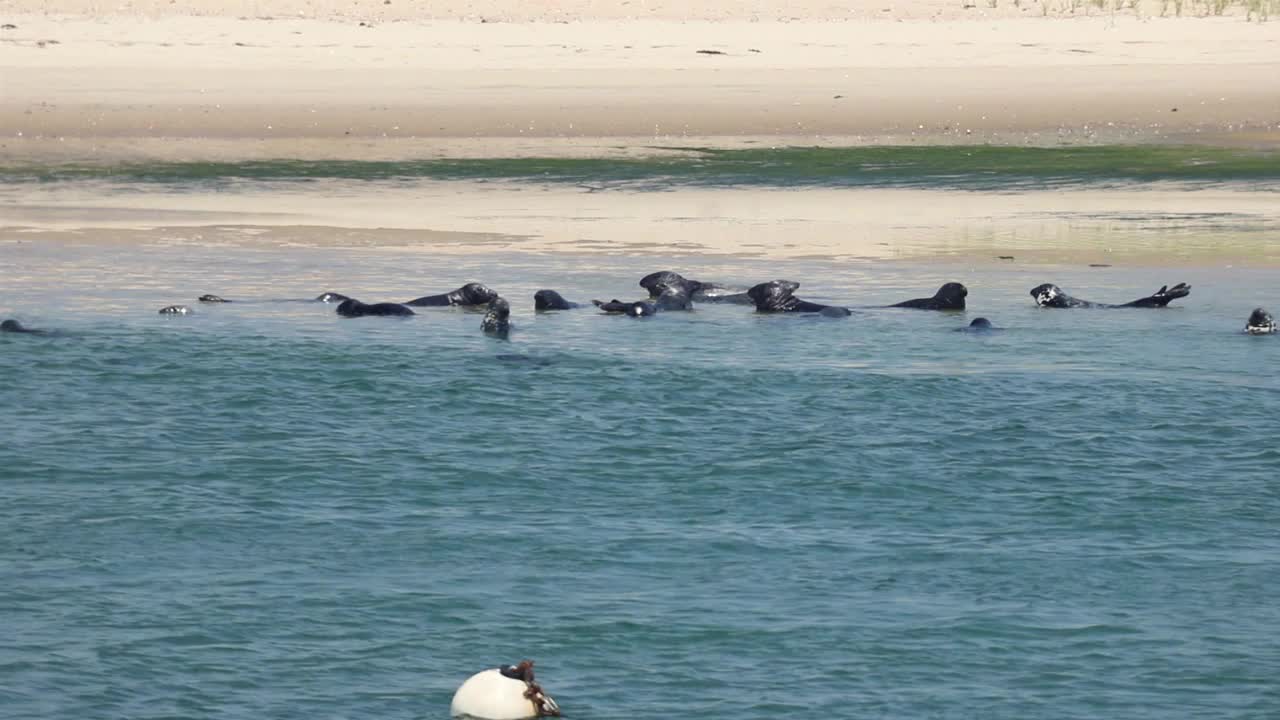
(92, 81)
(324, 86)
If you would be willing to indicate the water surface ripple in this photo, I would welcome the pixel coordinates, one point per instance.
(263, 510)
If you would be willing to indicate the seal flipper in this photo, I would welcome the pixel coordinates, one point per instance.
(613, 306)
(1161, 297)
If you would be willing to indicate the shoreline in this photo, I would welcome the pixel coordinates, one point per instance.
(153, 81)
(1134, 227)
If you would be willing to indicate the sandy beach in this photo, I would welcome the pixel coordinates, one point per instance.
(331, 79)
(83, 81)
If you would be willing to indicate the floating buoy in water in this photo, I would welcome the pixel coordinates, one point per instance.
(505, 693)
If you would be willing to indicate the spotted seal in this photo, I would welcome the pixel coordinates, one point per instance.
(1260, 323)
(497, 320)
(1052, 296)
(176, 310)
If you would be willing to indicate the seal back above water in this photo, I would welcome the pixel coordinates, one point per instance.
(497, 320)
(469, 294)
(776, 296)
(1051, 296)
(949, 297)
(13, 326)
(353, 308)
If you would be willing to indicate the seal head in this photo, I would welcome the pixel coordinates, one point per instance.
(656, 283)
(497, 320)
(979, 325)
(212, 299)
(551, 300)
(469, 294)
(776, 296)
(949, 297)
(13, 326)
(1260, 323)
(331, 297)
(175, 310)
(697, 290)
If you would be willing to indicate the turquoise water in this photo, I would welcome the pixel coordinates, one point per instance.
(263, 510)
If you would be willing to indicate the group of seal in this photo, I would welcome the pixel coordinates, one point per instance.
(670, 291)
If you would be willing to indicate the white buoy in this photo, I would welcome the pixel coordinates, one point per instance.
(503, 694)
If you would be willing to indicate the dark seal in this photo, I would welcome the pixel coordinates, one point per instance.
(175, 310)
(353, 308)
(13, 326)
(669, 298)
(1260, 323)
(331, 297)
(979, 325)
(212, 299)
(776, 296)
(469, 294)
(949, 297)
(1052, 296)
(697, 290)
(640, 308)
(551, 300)
(674, 298)
(497, 320)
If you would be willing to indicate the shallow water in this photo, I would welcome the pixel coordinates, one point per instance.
(263, 510)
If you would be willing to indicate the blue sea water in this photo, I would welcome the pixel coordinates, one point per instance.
(264, 510)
